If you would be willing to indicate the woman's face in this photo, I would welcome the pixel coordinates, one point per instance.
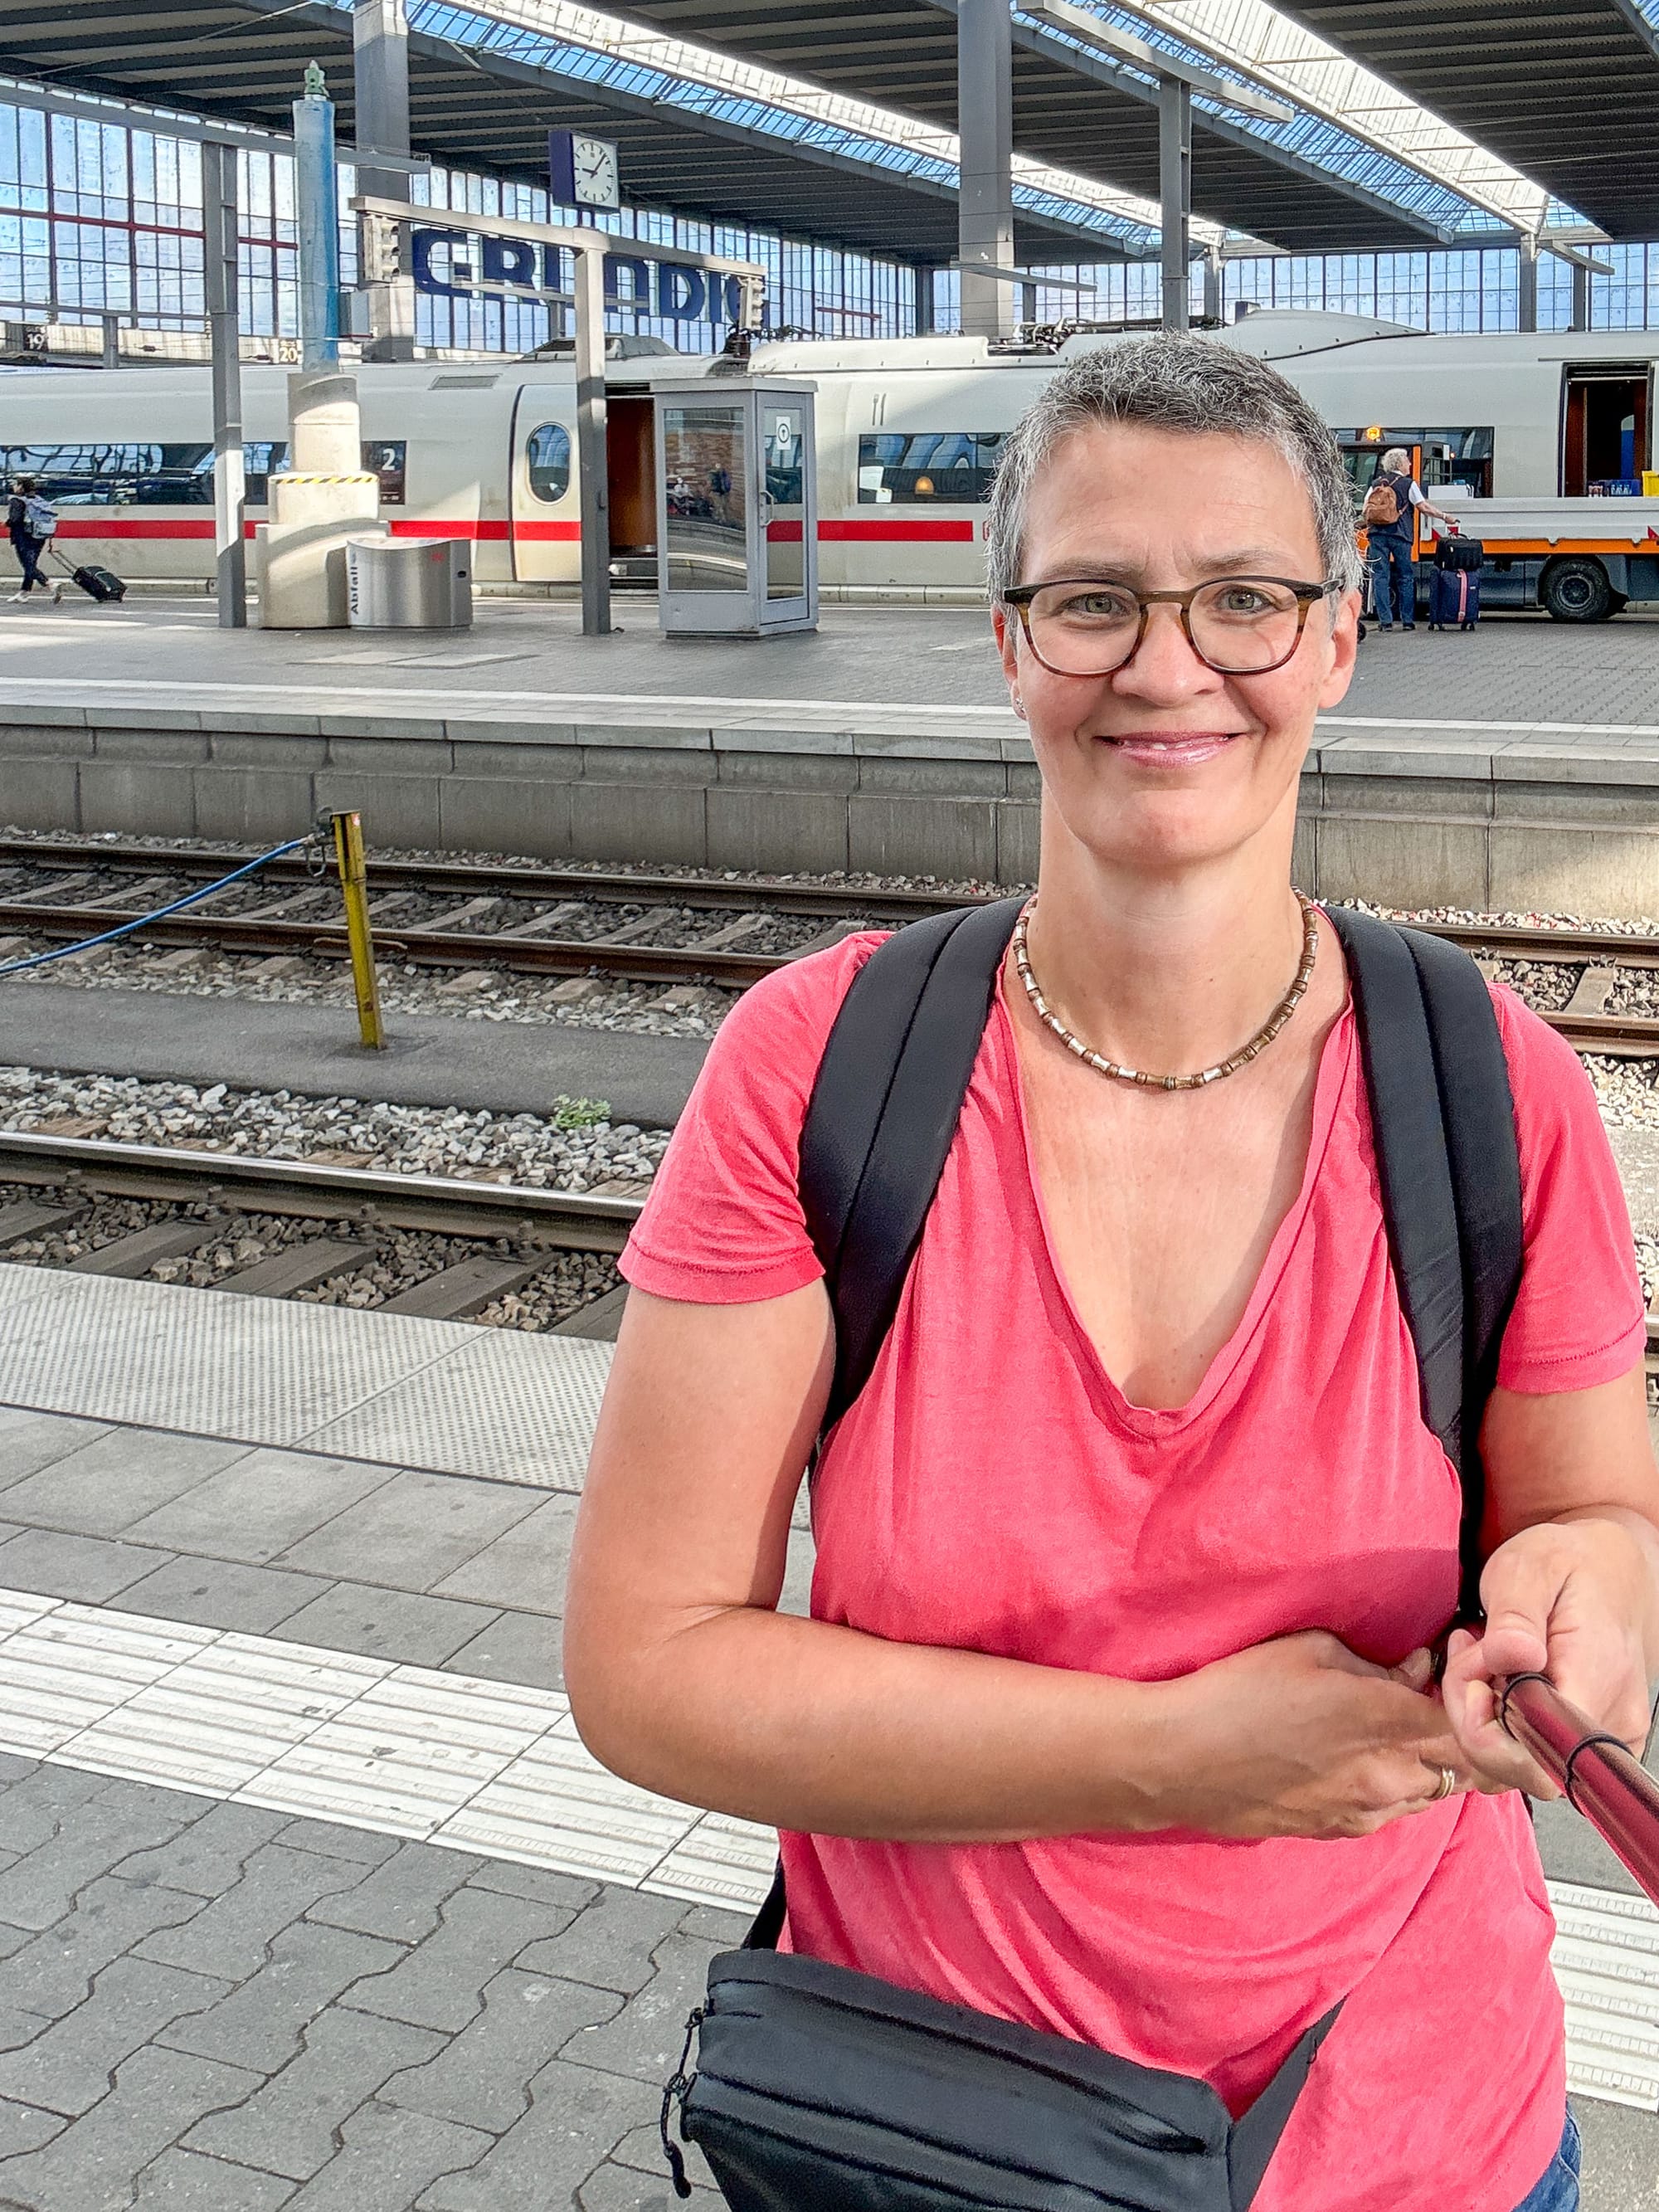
(1164, 761)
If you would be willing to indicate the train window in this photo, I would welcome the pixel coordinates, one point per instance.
(105, 473)
(264, 458)
(548, 455)
(923, 467)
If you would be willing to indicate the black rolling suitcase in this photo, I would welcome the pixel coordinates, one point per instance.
(99, 584)
(1455, 584)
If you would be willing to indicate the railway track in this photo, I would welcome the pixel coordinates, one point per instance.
(562, 922)
(484, 1239)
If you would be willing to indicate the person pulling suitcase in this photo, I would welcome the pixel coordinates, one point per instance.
(30, 523)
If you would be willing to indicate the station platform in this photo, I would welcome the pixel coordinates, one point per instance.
(298, 1844)
(1515, 767)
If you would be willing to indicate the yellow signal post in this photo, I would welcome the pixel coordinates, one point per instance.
(353, 886)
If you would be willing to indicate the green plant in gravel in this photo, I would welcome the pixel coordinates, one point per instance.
(566, 1113)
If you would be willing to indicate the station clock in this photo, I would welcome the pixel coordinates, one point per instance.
(582, 171)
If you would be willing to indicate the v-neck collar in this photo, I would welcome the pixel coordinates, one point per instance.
(1335, 1065)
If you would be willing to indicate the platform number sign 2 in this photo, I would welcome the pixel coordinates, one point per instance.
(582, 171)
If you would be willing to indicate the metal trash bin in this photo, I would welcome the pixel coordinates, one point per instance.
(409, 583)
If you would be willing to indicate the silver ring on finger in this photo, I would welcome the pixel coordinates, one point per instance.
(1446, 1785)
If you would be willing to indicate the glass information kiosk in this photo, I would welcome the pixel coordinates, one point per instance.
(737, 510)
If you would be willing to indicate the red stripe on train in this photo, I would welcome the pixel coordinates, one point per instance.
(934, 531)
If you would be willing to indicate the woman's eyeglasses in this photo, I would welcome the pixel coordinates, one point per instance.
(1236, 625)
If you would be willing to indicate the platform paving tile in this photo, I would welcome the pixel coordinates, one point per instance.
(441, 1984)
(24, 2127)
(613, 1943)
(66, 2067)
(480, 2079)
(59, 1564)
(186, 2181)
(115, 1480)
(262, 2024)
(53, 1972)
(221, 1594)
(516, 1647)
(546, 2156)
(291, 2126)
(403, 1896)
(230, 1937)
(30, 1441)
(414, 1529)
(257, 1506)
(157, 2094)
(40, 1888)
(387, 1624)
(208, 1855)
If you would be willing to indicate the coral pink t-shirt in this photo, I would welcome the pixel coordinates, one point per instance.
(992, 1489)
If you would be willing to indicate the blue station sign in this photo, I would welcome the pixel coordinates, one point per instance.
(461, 264)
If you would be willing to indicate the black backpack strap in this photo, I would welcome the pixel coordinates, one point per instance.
(1255, 2134)
(1443, 1120)
(883, 1112)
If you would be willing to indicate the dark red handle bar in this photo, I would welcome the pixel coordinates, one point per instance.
(1613, 1789)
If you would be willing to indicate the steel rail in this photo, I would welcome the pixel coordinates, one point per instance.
(450, 1206)
(1619, 1035)
(484, 877)
(456, 948)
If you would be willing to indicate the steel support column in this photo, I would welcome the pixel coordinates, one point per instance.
(1581, 297)
(591, 438)
(985, 200)
(379, 48)
(921, 279)
(1174, 191)
(219, 271)
(1528, 316)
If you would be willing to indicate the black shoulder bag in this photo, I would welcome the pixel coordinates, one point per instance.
(818, 2089)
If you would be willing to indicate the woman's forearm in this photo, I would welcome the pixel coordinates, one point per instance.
(808, 1725)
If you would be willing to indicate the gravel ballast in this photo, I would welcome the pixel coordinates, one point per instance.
(586, 1154)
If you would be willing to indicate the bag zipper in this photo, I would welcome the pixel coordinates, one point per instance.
(679, 2084)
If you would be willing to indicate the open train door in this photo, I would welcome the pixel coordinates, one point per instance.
(736, 509)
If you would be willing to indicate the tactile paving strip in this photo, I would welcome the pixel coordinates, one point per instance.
(498, 1768)
(451, 1758)
(508, 1406)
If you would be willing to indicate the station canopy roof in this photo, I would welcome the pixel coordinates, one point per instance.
(1567, 92)
(1306, 186)
(485, 93)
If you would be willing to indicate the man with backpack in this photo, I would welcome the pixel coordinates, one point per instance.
(1387, 515)
(30, 522)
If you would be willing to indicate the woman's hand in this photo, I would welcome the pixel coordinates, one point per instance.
(1567, 1599)
(1301, 1737)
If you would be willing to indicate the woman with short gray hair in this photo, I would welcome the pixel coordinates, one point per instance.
(1116, 1716)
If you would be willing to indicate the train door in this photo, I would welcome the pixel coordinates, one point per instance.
(631, 462)
(543, 527)
(1605, 414)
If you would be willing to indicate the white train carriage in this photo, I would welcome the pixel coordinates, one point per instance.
(907, 431)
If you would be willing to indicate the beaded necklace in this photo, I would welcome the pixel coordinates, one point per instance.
(1263, 1038)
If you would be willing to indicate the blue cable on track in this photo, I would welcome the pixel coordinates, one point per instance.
(190, 898)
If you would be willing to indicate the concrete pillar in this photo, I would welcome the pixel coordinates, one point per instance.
(1213, 284)
(985, 121)
(1174, 191)
(1581, 298)
(1528, 319)
(219, 258)
(593, 471)
(379, 47)
(921, 280)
